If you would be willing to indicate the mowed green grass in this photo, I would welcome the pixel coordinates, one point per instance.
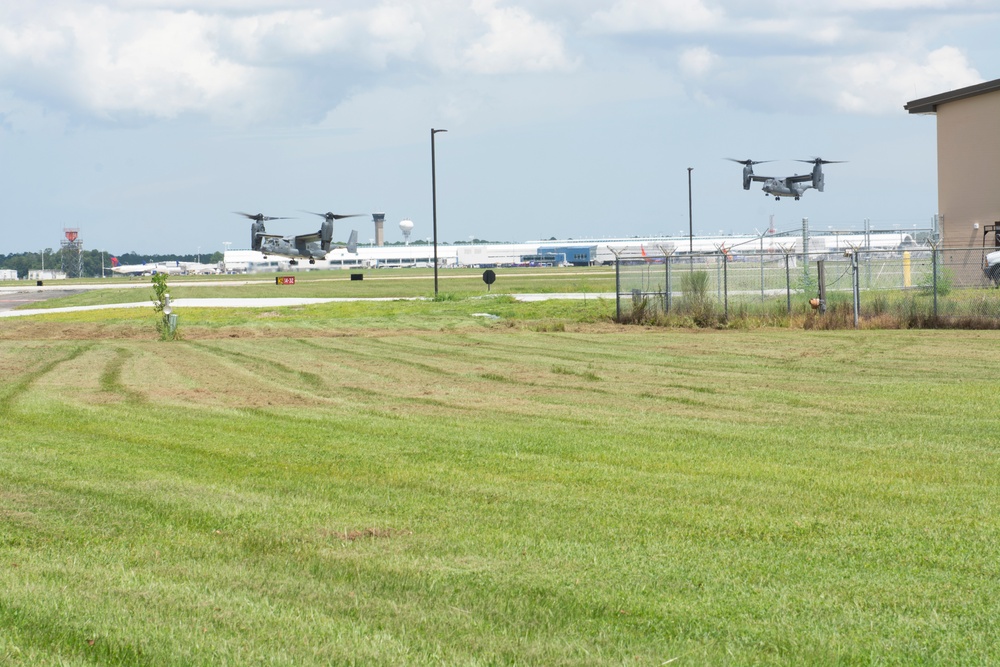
(498, 495)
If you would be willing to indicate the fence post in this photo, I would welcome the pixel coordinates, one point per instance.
(788, 284)
(856, 280)
(821, 282)
(805, 250)
(934, 271)
(618, 289)
(725, 285)
(666, 300)
(761, 256)
(718, 281)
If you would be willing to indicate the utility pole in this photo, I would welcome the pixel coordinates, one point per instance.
(690, 216)
(435, 209)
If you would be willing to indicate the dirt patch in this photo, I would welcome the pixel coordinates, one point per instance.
(352, 535)
(35, 330)
(24, 330)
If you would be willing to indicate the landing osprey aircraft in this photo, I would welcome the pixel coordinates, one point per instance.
(787, 186)
(302, 246)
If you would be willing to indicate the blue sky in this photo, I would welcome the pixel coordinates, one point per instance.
(146, 123)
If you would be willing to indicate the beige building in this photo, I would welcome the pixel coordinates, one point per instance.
(968, 148)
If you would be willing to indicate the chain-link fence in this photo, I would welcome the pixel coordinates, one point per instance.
(916, 286)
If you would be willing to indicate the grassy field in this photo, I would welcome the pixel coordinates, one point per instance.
(406, 483)
(377, 283)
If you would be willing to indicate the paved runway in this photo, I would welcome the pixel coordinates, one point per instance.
(10, 299)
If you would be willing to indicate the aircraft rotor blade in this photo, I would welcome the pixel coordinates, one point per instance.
(260, 217)
(748, 162)
(334, 216)
(819, 160)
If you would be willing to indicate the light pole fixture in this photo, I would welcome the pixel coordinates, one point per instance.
(690, 216)
(434, 204)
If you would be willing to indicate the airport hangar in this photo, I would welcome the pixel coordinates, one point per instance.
(968, 155)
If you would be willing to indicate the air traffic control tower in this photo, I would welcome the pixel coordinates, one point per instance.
(379, 219)
(71, 251)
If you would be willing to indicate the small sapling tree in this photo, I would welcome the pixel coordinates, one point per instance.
(161, 306)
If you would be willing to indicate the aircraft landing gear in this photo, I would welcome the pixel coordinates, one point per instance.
(312, 261)
(294, 262)
(796, 199)
(777, 198)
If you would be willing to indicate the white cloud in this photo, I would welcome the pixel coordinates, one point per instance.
(884, 83)
(515, 42)
(902, 5)
(160, 67)
(696, 62)
(295, 60)
(159, 64)
(163, 58)
(652, 15)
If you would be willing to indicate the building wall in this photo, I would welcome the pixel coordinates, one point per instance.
(968, 136)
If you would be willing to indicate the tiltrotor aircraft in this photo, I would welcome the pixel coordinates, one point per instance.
(302, 246)
(787, 186)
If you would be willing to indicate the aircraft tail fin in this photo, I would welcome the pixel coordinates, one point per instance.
(352, 242)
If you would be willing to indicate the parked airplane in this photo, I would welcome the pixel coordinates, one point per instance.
(174, 268)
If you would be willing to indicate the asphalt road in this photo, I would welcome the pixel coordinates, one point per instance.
(11, 300)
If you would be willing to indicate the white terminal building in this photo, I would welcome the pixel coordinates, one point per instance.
(577, 252)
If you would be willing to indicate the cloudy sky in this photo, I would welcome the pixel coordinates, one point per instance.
(146, 123)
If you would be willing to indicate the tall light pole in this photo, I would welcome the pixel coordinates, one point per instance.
(690, 216)
(434, 203)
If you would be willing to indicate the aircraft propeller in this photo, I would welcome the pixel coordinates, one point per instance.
(260, 217)
(748, 162)
(335, 216)
(819, 160)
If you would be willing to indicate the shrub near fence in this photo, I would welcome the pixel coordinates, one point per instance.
(915, 287)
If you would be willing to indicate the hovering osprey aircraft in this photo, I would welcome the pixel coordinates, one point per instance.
(302, 246)
(786, 186)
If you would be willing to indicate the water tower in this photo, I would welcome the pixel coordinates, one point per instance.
(406, 226)
(71, 251)
(379, 219)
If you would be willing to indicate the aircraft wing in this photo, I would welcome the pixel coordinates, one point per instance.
(271, 236)
(307, 238)
(761, 179)
(799, 179)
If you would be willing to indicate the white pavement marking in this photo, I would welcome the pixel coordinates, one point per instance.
(200, 303)
(267, 302)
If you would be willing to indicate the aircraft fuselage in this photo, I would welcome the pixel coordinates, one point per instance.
(778, 187)
(292, 249)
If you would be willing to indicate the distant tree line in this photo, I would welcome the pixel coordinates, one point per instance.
(92, 261)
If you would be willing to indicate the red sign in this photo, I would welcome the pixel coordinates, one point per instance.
(284, 280)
